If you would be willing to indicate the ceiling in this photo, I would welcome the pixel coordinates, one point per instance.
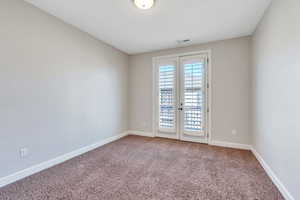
(120, 24)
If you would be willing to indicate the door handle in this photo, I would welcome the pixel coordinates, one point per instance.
(180, 108)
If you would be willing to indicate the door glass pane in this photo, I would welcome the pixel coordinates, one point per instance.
(167, 97)
(194, 96)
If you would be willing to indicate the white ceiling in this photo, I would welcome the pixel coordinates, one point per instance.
(120, 24)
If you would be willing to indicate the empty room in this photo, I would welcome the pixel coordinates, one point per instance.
(149, 100)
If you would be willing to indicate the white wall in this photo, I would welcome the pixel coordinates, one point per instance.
(276, 91)
(230, 88)
(60, 88)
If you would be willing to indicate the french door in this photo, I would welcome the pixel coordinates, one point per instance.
(181, 110)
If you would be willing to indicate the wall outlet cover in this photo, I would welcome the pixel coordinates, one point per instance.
(24, 152)
(233, 132)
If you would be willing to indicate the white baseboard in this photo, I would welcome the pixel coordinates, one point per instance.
(230, 145)
(50, 163)
(285, 193)
(214, 143)
(140, 133)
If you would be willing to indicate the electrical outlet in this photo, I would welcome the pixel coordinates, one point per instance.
(233, 132)
(24, 152)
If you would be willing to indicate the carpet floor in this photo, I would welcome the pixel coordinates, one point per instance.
(140, 168)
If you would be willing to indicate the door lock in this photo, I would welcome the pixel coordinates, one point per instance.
(180, 108)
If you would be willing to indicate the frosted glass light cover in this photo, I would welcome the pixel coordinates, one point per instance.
(144, 4)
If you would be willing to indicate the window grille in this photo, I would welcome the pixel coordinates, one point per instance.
(194, 96)
(167, 96)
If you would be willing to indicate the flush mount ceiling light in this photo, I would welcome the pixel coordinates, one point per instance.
(144, 4)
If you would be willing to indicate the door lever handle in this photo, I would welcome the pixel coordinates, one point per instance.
(180, 109)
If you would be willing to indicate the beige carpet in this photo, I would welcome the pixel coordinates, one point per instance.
(138, 168)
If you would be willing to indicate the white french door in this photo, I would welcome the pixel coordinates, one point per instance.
(181, 110)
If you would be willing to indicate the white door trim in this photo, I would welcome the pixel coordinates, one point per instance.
(209, 90)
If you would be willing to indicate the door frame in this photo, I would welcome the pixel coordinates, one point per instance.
(208, 93)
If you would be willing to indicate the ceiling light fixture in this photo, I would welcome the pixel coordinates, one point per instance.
(144, 4)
